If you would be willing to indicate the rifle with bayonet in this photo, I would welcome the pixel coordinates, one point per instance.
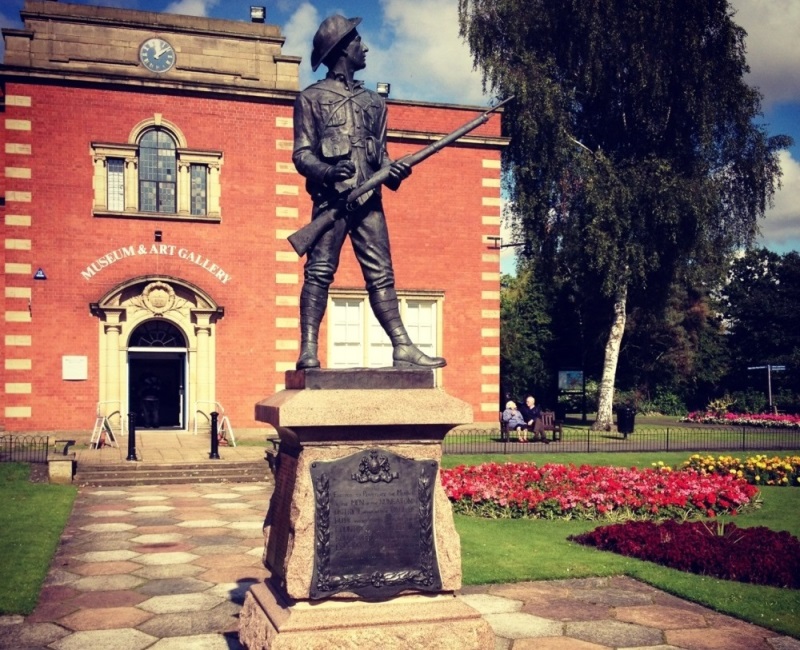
(305, 237)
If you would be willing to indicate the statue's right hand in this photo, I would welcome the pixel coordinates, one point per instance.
(341, 171)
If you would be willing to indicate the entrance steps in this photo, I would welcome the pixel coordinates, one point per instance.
(135, 473)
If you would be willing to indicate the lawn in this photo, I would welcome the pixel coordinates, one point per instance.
(32, 517)
(506, 550)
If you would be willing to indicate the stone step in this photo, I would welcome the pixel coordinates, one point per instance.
(139, 466)
(144, 474)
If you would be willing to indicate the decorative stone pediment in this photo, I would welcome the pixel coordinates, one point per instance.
(153, 296)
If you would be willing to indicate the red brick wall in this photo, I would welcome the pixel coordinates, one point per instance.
(436, 223)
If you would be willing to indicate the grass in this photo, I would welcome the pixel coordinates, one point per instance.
(32, 518)
(655, 436)
(612, 459)
(513, 550)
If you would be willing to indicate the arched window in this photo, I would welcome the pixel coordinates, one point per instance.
(155, 175)
(157, 334)
(158, 171)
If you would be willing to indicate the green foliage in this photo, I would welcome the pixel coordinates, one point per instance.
(524, 335)
(663, 403)
(668, 403)
(574, 401)
(32, 519)
(629, 170)
(761, 304)
(720, 406)
(748, 401)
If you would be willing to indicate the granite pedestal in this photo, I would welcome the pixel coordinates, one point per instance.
(359, 455)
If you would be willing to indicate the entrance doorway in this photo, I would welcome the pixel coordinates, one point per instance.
(162, 329)
(157, 376)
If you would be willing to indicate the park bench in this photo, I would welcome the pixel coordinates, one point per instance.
(67, 444)
(272, 455)
(548, 421)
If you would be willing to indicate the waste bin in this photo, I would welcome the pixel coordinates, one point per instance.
(626, 415)
(561, 412)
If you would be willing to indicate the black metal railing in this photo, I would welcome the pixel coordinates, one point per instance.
(24, 449)
(489, 441)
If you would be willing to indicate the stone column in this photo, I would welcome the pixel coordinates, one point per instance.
(112, 328)
(213, 190)
(131, 180)
(100, 183)
(183, 187)
(204, 392)
(204, 362)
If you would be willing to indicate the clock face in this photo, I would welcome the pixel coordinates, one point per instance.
(157, 55)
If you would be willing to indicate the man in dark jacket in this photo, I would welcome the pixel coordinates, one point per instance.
(339, 142)
(532, 414)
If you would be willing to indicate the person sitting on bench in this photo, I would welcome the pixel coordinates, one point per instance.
(532, 414)
(513, 421)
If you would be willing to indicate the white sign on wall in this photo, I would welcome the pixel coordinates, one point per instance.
(74, 368)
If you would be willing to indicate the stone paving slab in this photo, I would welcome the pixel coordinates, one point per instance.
(168, 567)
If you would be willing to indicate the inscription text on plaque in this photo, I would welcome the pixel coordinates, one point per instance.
(374, 525)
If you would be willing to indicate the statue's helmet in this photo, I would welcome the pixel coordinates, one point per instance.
(332, 31)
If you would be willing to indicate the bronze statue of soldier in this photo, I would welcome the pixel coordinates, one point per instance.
(339, 143)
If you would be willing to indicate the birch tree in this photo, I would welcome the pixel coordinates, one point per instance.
(635, 145)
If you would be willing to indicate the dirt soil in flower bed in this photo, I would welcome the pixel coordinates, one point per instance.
(721, 550)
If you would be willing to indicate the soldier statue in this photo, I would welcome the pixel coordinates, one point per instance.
(340, 142)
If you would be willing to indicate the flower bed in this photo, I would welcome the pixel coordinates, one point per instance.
(765, 420)
(755, 555)
(756, 470)
(513, 490)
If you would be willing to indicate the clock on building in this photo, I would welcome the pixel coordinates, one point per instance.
(157, 55)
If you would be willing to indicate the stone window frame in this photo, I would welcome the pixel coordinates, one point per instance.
(129, 153)
(404, 296)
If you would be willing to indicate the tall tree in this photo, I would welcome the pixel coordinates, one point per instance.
(634, 145)
(678, 349)
(761, 306)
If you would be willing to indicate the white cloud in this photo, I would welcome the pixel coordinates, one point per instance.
(299, 32)
(191, 7)
(780, 228)
(428, 59)
(772, 51)
(416, 48)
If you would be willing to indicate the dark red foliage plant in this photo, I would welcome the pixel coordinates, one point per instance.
(721, 550)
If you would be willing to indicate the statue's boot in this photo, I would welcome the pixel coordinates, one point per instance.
(313, 301)
(406, 354)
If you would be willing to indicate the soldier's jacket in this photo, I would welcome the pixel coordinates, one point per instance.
(332, 123)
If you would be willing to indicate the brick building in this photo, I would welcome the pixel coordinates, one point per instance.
(148, 194)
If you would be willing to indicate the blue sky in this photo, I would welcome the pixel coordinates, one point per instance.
(414, 45)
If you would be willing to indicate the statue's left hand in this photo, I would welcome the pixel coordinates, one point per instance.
(398, 172)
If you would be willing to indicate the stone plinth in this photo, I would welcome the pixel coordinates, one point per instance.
(442, 622)
(60, 468)
(331, 415)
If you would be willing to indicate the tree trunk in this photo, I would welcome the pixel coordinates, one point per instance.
(605, 402)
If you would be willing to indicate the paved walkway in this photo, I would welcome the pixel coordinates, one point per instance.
(159, 446)
(167, 568)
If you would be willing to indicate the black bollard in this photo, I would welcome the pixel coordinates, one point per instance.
(131, 436)
(214, 455)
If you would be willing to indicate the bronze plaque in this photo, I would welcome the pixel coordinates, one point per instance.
(374, 525)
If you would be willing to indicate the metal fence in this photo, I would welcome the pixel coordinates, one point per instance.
(489, 441)
(24, 449)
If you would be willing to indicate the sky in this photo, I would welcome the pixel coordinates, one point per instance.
(415, 46)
